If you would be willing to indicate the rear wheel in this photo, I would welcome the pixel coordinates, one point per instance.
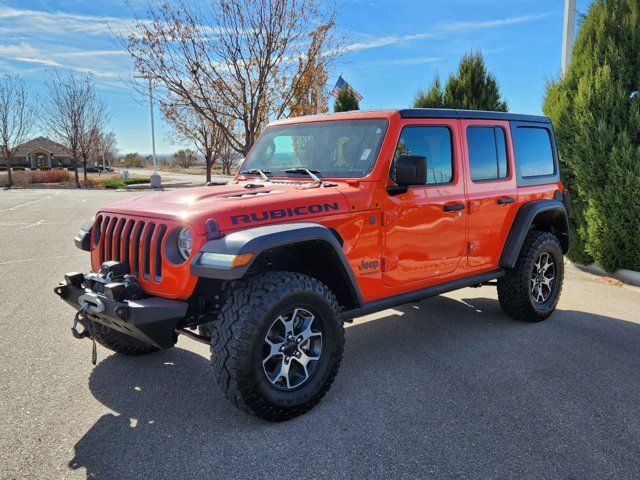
(530, 291)
(118, 342)
(277, 345)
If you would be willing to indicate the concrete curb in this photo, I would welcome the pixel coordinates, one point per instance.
(624, 275)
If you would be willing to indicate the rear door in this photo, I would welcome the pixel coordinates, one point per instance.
(424, 229)
(491, 188)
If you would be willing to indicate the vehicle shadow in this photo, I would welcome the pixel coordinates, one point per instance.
(439, 389)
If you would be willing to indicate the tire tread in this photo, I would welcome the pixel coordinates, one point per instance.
(512, 293)
(230, 340)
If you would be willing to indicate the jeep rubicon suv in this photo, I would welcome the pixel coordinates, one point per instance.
(330, 217)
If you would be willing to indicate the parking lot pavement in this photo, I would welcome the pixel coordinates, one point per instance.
(445, 388)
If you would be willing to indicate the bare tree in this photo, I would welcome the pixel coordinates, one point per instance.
(228, 158)
(310, 95)
(92, 130)
(71, 107)
(247, 55)
(17, 118)
(185, 158)
(191, 126)
(106, 148)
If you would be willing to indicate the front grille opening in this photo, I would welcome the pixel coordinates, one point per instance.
(126, 242)
(96, 231)
(117, 236)
(146, 251)
(157, 257)
(136, 249)
(103, 235)
(108, 239)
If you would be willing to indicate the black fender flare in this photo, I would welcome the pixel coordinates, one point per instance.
(523, 222)
(258, 240)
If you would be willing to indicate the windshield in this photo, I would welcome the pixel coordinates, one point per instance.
(342, 148)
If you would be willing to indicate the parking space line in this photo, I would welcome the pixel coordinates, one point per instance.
(15, 207)
(39, 222)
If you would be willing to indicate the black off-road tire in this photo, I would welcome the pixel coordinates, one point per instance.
(119, 342)
(514, 289)
(238, 338)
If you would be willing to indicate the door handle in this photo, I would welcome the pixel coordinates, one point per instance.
(506, 200)
(453, 207)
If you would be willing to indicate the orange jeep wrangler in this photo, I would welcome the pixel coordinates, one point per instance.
(330, 217)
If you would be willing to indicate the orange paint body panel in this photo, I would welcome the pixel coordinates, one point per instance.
(394, 244)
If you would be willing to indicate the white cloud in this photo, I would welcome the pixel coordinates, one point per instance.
(15, 21)
(73, 60)
(455, 27)
(442, 30)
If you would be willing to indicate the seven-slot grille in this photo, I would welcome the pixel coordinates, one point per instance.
(136, 242)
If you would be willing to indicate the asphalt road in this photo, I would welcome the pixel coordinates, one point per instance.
(447, 388)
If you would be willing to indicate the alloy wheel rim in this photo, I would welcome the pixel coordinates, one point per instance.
(292, 349)
(543, 277)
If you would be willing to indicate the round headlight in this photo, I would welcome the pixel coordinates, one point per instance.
(185, 243)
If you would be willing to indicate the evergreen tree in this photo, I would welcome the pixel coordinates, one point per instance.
(472, 87)
(595, 109)
(346, 101)
(431, 98)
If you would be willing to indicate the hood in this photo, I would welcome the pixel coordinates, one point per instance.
(235, 205)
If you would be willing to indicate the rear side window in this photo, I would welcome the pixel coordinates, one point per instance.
(433, 143)
(487, 153)
(533, 151)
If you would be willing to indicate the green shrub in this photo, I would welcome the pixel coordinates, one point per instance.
(114, 184)
(595, 108)
(137, 181)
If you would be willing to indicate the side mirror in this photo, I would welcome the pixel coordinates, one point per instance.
(410, 170)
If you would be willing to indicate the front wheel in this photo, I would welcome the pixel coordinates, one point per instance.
(531, 289)
(277, 345)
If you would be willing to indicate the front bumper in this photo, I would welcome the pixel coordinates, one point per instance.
(152, 320)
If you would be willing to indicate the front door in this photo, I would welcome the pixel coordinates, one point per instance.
(491, 188)
(424, 229)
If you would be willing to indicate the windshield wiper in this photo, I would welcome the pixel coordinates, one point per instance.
(257, 171)
(306, 171)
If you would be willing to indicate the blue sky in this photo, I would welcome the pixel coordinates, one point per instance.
(394, 48)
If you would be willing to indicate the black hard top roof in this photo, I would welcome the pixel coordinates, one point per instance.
(471, 114)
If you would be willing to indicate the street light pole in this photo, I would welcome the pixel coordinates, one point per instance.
(155, 177)
(568, 34)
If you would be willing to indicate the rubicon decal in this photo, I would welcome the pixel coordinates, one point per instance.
(285, 213)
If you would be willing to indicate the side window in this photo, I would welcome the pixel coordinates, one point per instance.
(435, 144)
(532, 147)
(487, 153)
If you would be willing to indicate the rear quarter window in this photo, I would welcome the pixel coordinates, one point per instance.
(533, 152)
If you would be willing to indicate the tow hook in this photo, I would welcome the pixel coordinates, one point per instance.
(79, 318)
